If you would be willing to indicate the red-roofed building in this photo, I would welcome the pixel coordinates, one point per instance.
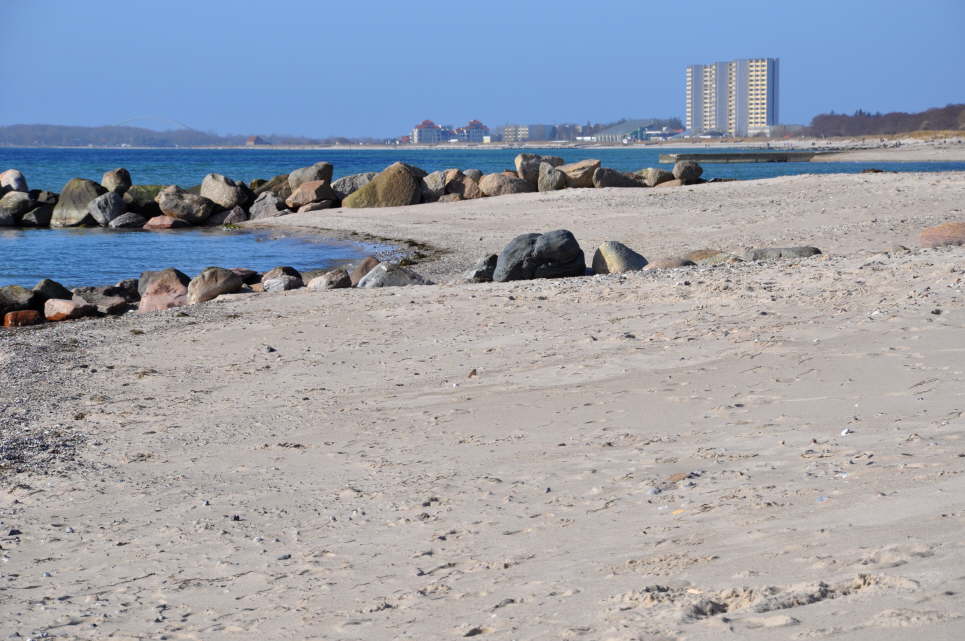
(427, 132)
(473, 132)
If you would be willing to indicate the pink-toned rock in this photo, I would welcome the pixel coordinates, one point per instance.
(311, 192)
(324, 204)
(676, 182)
(580, 174)
(459, 184)
(335, 279)
(164, 222)
(57, 309)
(945, 234)
(163, 290)
(22, 318)
(363, 268)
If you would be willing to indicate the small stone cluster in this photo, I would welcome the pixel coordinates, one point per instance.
(117, 203)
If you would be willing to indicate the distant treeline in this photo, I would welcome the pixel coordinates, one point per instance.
(862, 123)
(65, 136)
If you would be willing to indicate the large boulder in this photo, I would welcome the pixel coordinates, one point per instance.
(528, 166)
(952, 233)
(434, 185)
(503, 184)
(482, 271)
(335, 279)
(278, 272)
(232, 216)
(266, 205)
(48, 288)
(310, 192)
(687, 171)
(57, 309)
(397, 185)
(116, 180)
(23, 318)
(554, 254)
(106, 207)
(580, 174)
(178, 203)
(129, 220)
(13, 180)
(653, 176)
(72, 208)
(211, 283)
(362, 268)
(391, 275)
(550, 178)
(140, 199)
(616, 258)
(39, 216)
(14, 298)
(223, 191)
(348, 185)
(108, 300)
(162, 290)
(777, 253)
(318, 171)
(278, 186)
(282, 283)
(463, 185)
(606, 177)
(13, 205)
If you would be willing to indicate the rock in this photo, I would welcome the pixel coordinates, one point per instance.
(43, 197)
(13, 205)
(127, 289)
(397, 185)
(720, 258)
(482, 271)
(473, 174)
(106, 207)
(227, 217)
(700, 254)
(653, 176)
(14, 298)
(777, 253)
(116, 180)
(57, 309)
(248, 276)
(671, 183)
(165, 222)
(616, 258)
(952, 233)
(335, 279)
(71, 209)
(434, 185)
(310, 192)
(503, 184)
(178, 203)
(129, 220)
(266, 205)
(462, 185)
(282, 283)
(391, 275)
(13, 180)
(140, 199)
(606, 177)
(324, 204)
(283, 270)
(580, 174)
(223, 192)
(162, 290)
(22, 318)
(348, 185)
(550, 178)
(554, 254)
(687, 171)
(278, 186)
(108, 300)
(52, 289)
(362, 268)
(528, 166)
(320, 171)
(670, 262)
(38, 216)
(450, 198)
(213, 282)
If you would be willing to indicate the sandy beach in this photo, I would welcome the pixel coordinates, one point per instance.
(754, 451)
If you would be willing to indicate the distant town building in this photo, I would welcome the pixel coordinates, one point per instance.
(737, 98)
(515, 133)
(428, 133)
(256, 140)
(625, 132)
(475, 131)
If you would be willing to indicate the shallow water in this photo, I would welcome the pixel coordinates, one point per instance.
(76, 257)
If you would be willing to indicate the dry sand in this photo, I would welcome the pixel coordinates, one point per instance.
(759, 451)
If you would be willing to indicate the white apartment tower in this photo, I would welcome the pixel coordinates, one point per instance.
(738, 98)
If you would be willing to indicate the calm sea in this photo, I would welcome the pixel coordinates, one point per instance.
(93, 257)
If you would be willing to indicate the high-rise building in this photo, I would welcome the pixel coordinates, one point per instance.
(739, 98)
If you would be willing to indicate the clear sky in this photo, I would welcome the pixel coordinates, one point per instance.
(377, 67)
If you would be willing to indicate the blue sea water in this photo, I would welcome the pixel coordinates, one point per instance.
(78, 257)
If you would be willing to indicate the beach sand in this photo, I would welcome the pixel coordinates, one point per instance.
(759, 451)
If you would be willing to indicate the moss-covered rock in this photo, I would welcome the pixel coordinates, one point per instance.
(396, 186)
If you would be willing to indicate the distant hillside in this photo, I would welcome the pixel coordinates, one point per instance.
(862, 123)
(65, 136)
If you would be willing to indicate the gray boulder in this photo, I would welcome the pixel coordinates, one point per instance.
(47, 289)
(777, 253)
(13, 180)
(223, 192)
(232, 216)
(528, 166)
(653, 176)
(14, 298)
(391, 275)
(687, 171)
(106, 207)
(503, 184)
(116, 180)
(550, 178)
(335, 279)
(616, 258)
(277, 272)
(482, 271)
(13, 205)
(318, 171)
(211, 283)
(110, 300)
(277, 185)
(555, 254)
(363, 267)
(72, 208)
(267, 205)
(606, 177)
(282, 283)
(39, 216)
(140, 199)
(434, 186)
(473, 174)
(348, 185)
(178, 203)
(129, 220)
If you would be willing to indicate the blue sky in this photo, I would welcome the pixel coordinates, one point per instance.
(377, 67)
